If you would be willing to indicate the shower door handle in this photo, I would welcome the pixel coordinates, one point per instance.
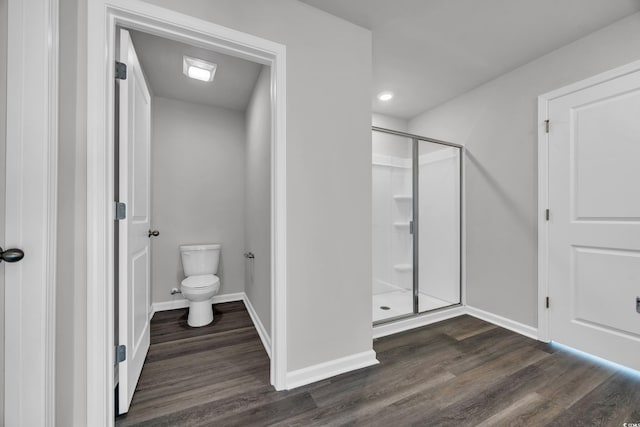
(410, 227)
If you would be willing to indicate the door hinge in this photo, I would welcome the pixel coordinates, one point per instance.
(120, 209)
(410, 227)
(546, 126)
(121, 71)
(546, 214)
(121, 353)
(546, 302)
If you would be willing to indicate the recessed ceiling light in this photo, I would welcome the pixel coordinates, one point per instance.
(198, 69)
(385, 96)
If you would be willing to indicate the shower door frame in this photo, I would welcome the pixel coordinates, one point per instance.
(415, 209)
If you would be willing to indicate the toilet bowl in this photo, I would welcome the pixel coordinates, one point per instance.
(199, 290)
(200, 263)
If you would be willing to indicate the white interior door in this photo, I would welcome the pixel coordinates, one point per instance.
(594, 225)
(134, 247)
(30, 210)
(3, 132)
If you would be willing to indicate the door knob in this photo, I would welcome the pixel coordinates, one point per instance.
(11, 255)
(154, 233)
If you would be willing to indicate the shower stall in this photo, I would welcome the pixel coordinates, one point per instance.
(416, 224)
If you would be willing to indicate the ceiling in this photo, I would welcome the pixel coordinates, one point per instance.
(161, 61)
(429, 51)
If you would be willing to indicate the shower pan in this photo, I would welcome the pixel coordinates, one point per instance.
(416, 224)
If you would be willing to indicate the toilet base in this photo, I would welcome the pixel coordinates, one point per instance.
(200, 313)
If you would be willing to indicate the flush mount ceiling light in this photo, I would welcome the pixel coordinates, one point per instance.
(198, 69)
(385, 96)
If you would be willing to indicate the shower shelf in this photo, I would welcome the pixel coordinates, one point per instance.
(403, 197)
(403, 267)
(401, 224)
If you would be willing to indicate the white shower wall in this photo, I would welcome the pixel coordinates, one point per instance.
(392, 243)
(392, 246)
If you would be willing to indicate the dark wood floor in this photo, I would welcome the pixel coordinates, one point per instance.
(458, 372)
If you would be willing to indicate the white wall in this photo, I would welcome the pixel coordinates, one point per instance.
(497, 122)
(71, 233)
(258, 198)
(197, 190)
(389, 122)
(328, 170)
(65, 324)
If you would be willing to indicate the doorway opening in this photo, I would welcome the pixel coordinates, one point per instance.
(192, 185)
(105, 22)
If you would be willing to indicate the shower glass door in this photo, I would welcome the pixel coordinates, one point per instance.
(416, 224)
(392, 175)
(438, 278)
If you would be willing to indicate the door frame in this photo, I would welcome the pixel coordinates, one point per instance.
(543, 182)
(31, 211)
(103, 17)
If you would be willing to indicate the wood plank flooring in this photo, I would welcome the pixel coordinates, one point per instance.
(460, 372)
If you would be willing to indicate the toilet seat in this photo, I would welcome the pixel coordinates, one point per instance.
(203, 281)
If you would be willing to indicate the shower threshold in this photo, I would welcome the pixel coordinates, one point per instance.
(398, 303)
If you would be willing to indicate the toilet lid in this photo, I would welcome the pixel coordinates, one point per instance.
(200, 281)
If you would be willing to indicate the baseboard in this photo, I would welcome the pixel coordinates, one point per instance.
(417, 322)
(238, 296)
(520, 328)
(183, 303)
(429, 318)
(331, 368)
(262, 331)
(170, 305)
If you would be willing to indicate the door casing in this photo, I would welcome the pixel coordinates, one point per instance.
(103, 17)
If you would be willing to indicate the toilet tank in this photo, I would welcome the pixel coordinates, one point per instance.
(200, 259)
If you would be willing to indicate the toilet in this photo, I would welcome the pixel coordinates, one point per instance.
(200, 264)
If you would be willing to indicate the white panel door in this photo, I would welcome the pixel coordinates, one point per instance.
(29, 166)
(594, 225)
(134, 247)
